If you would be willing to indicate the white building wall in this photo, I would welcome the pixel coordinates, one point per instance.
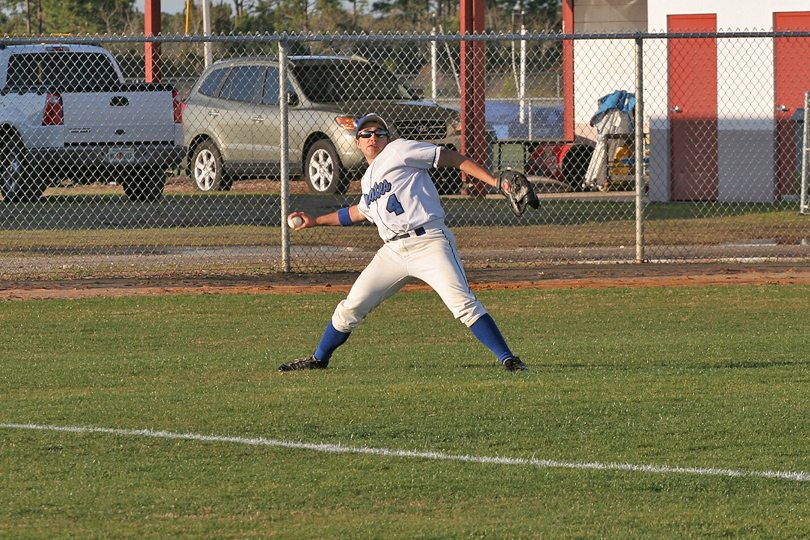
(746, 112)
(745, 120)
(732, 15)
(603, 66)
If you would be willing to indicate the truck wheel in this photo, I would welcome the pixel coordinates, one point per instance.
(575, 166)
(17, 181)
(206, 168)
(323, 171)
(145, 184)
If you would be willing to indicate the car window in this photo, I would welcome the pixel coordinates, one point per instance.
(244, 84)
(271, 87)
(59, 68)
(348, 81)
(210, 86)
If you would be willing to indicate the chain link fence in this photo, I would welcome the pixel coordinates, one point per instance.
(659, 147)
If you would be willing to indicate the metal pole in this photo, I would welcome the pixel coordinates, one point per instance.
(285, 158)
(523, 73)
(515, 70)
(639, 153)
(152, 49)
(434, 65)
(207, 46)
(805, 154)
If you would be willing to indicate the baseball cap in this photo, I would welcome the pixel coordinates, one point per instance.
(373, 117)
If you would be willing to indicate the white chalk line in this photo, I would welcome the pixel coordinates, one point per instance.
(340, 449)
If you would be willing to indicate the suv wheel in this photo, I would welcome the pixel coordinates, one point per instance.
(206, 168)
(323, 171)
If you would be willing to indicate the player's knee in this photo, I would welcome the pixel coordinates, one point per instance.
(346, 319)
(470, 313)
(344, 324)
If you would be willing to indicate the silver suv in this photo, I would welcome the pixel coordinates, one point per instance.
(232, 120)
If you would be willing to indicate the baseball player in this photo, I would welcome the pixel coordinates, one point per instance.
(400, 199)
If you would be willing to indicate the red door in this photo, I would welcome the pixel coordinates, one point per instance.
(792, 80)
(692, 66)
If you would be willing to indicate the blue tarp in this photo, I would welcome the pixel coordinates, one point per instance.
(612, 118)
(621, 100)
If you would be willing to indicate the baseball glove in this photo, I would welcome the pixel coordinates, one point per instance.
(518, 191)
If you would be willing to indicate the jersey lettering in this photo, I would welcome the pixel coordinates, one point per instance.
(377, 190)
(394, 206)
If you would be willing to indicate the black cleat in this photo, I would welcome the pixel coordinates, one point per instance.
(310, 362)
(513, 363)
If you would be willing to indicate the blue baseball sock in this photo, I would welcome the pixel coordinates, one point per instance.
(331, 340)
(487, 333)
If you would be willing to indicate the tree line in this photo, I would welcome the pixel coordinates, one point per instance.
(99, 17)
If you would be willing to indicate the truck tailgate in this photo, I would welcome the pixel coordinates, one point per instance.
(118, 117)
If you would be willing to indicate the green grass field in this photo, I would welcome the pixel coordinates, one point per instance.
(647, 413)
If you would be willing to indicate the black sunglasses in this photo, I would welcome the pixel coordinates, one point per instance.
(366, 134)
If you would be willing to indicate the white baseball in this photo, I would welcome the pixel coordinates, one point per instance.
(294, 222)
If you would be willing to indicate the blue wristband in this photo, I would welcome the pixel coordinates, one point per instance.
(343, 216)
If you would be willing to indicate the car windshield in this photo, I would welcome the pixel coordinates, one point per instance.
(348, 80)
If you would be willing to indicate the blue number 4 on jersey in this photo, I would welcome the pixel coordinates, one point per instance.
(393, 205)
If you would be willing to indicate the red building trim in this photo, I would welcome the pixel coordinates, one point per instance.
(791, 76)
(568, 70)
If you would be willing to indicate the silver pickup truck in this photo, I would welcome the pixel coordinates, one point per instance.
(66, 113)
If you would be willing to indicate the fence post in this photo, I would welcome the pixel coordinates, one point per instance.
(639, 157)
(805, 153)
(522, 84)
(434, 65)
(285, 158)
(208, 46)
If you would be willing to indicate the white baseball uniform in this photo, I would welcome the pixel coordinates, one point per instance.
(400, 199)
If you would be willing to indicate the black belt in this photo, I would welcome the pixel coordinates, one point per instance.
(419, 231)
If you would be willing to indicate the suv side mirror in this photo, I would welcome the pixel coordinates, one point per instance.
(292, 98)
